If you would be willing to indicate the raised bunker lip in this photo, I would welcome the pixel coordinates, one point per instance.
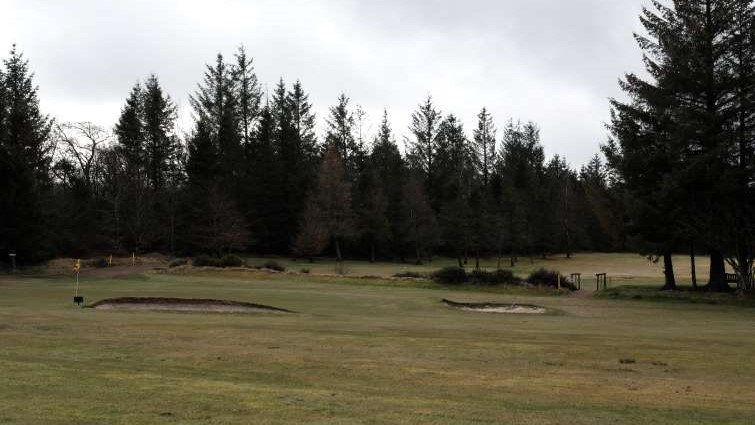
(185, 303)
(490, 307)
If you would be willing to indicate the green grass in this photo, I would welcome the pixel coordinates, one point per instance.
(364, 351)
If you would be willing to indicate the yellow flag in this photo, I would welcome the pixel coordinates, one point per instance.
(76, 265)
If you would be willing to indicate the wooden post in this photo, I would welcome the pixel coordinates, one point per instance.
(577, 279)
(133, 258)
(601, 279)
(558, 281)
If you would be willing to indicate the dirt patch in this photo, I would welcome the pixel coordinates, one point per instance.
(184, 304)
(497, 308)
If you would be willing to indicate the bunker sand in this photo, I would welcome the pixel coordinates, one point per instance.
(184, 304)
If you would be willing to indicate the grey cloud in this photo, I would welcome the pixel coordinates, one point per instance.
(550, 61)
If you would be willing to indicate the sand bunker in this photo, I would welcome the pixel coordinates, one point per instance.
(497, 308)
(184, 304)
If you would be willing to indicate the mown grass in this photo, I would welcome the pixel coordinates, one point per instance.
(364, 351)
(623, 269)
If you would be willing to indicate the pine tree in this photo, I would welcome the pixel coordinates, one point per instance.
(454, 174)
(146, 140)
(248, 93)
(129, 132)
(520, 169)
(263, 204)
(303, 122)
(340, 133)
(485, 146)
(670, 141)
(160, 141)
(25, 157)
(423, 150)
(216, 106)
(387, 172)
(293, 141)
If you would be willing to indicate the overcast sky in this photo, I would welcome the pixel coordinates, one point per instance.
(554, 62)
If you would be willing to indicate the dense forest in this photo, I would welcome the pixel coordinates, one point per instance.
(253, 175)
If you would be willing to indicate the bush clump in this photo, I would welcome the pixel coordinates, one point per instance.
(100, 263)
(231, 260)
(450, 276)
(178, 262)
(273, 265)
(543, 277)
(409, 274)
(206, 261)
(496, 277)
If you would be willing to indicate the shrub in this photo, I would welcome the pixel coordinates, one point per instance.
(305, 271)
(543, 277)
(230, 260)
(413, 275)
(450, 276)
(100, 263)
(206, 261)
(273, 265)
(178, 262)
(497, 277)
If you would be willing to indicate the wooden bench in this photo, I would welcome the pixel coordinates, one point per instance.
(732, 278)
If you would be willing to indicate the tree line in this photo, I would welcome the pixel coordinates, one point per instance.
(253, 175)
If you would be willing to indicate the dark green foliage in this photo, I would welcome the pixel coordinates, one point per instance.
(246, 179)
(99, 263)
(682, 146)
(423, 148)
(273, 265)
(457, 276)
(230, 260)
(450, 276)
(543, 277)
(206, 261)
(408, 275)
(143, 202)
(340, 134)
(495, 277)
(25, 156)
(227, 260)
(178, 262)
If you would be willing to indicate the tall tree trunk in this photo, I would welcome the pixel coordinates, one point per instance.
(744, 264)
(668, 272)
(372, 251)
(338, 249)
(692, 264)
(717, 276)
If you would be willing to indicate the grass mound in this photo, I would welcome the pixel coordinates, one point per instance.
(183, 304)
